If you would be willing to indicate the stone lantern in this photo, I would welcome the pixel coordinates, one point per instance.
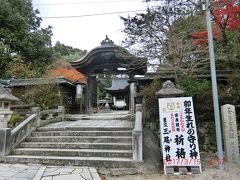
(169, 90)
(6, 98)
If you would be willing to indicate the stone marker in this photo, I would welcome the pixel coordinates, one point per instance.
(230, 133)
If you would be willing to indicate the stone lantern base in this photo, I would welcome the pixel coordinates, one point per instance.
(5, 116)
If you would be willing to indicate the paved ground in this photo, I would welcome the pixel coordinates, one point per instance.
(96, 120)
(41, 172)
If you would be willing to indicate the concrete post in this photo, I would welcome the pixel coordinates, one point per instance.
(62, 110)
(137, 143)
(36, 110)
(214, 85)
(5, 141)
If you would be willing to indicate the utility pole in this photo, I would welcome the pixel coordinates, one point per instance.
(214, 86)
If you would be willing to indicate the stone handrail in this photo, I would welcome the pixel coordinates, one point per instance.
(137, 143)
(37, 119)
(23, 130)
(51, 116)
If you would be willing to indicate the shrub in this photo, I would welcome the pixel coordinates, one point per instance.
(46, 96)
(150, 100)
(16, 118)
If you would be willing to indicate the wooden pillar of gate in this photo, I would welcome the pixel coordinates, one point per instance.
(91, 94)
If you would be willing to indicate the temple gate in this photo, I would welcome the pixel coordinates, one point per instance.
(112, 60)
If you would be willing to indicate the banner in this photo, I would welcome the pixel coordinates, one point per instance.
(178, 132)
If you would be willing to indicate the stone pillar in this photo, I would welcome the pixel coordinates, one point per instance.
(133, 92)
(62, 110)
(36, 110)
(137, 140)
(230, 134)
(91, 93)
(5, 141)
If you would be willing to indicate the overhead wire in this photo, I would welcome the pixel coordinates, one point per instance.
(89, 2)
(88, 15)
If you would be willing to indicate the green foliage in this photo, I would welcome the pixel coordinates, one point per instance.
(20, 69)
(46, 96)
(200, 90)
(150, 99)
(103, 82)
(194, 87)
(16, 118)
(21, 35)
(67, 53)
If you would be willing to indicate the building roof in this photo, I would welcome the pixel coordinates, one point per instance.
(71, 74)
(5, 94)
(37, 81)
(107, 58)
(118, 85)
(4, 82)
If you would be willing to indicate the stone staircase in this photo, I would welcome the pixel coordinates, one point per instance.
(73, 143)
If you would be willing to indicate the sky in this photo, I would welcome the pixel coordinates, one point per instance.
(88, 29)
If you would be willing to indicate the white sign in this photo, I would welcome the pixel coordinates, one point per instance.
(178, 132)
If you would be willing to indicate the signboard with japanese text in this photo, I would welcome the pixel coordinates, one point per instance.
(178, 132)
(230, 133)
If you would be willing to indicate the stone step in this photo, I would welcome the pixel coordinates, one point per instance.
(85, 128)
(126, 146)
(108, 162)
(92, 139)
(73, 152)
(100, 116)
(82, 133)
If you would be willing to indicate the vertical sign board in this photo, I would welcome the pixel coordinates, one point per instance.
(230, 133)
(178, 132)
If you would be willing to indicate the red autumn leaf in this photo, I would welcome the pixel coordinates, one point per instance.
(64, 69)
(226, 14)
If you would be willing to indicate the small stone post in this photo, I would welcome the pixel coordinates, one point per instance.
(133, 92)
(230, 134)
(137, 143)
(36, 110)
(62, 110)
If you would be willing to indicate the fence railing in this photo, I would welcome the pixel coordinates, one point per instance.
(24, 129)
(137, 141)
(37, 119)
(51, 116)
